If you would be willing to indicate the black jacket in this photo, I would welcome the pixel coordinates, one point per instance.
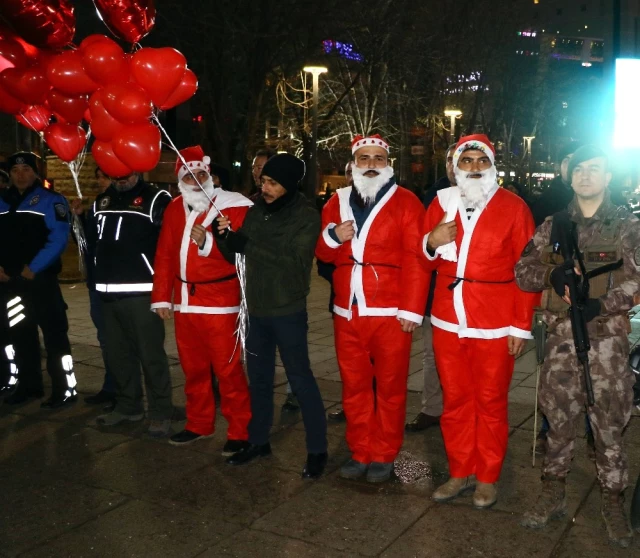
(556, 198)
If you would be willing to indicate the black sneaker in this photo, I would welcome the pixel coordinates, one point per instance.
(337, 416)
(315, 465)
(186, 437)
(101, 397)
(248, 453)
(59, 402)
(291, 404)
(234, 446)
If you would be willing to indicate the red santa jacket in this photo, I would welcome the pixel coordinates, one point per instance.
(201, 281)
(380, 267)
(486, 303)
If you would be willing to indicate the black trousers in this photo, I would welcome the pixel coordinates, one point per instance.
(289, 335)
(27, 305)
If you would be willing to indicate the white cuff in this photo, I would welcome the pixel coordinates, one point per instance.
(405, 315)
(156, 305)
(208, 245)
(327, 237)
(517, 332)
(425, 251)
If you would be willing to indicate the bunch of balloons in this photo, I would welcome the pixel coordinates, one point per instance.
(52, 86)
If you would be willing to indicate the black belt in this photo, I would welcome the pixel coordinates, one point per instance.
(458, 280)
(605, 269)
(365, 264)
(192, 290)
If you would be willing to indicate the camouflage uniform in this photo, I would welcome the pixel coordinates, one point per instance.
(612, 233)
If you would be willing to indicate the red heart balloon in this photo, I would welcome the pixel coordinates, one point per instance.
(158, 71)
(70, 107)
(29, 84)
(129, 20)
(104, 61)
(87, 115)
(91, 39)
(44, 23)
(103, 125)
(65, 140)
(12, 55)
(66, 73)
(35, 118)
(138, 146)
(107, 161)
(9, 104)
(187, 89)
(127, 102)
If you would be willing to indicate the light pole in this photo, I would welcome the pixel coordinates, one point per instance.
(312, 182)
(453, 114)
(527, 149)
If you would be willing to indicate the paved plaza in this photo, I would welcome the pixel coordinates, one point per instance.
(71, 488)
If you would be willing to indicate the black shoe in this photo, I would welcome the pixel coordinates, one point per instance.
(16, 399)
(234, 446)
(109, 406)
(336, 416)
(59, 402)
(186, 437)
(315, 465)
(421, 422)
(101, 397)
(249, 453)
(291, 404)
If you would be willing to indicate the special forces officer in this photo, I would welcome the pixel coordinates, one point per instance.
(609, 239)
(34, 228)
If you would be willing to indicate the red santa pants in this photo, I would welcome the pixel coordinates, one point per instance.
(475, 375)
(206, 341)
(371, 347)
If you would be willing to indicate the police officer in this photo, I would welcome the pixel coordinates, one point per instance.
(128, 217)
(34, 227)
(609, 239)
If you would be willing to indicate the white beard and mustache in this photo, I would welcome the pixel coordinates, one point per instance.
(476, 191)
(195, 197)
(368, 187)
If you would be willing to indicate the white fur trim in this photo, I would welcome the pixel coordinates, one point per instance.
(517, 332)
(411, 316)
(156, 305)
(369, 142)
(467, 145)
(425, 251)
(327, 237)
(195, 165)
(208, 245)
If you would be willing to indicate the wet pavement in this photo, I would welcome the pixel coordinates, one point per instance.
(71, 488)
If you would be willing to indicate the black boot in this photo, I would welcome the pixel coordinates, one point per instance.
(57, 402)
(248, 453)
(315, 465)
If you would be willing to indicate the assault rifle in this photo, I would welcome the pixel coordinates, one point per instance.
(578, 292)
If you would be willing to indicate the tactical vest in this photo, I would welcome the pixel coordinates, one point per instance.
(602, 256)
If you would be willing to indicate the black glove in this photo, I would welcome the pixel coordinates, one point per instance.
(236, 241)
(558, 277)
(219, 234)
(592, 309)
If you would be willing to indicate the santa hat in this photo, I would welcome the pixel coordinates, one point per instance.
(195, 159)
(370, 141)
(478, 141)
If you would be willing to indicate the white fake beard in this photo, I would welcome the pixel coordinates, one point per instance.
(476, 191)
(195, 197)
(368, 187)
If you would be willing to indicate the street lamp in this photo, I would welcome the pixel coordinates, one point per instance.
(312, 183)
(453, 114)
(527, 149)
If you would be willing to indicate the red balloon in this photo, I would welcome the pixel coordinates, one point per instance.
(44, 23)
(103, 125)
(87, 115)
(129, 20)
(12, 55)
(159, 71)
(66, 73)
(29, 85)
(10, 104)
(70, 107)
(138, 146)
(107, 161)
(104, 61)
(65, 140)
(35, 118)
(10, 36)
(127, 102)
(187, 89)
(91, 39)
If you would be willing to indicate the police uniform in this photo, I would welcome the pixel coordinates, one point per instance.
(128, 225)
(610, 244)
(34, 227)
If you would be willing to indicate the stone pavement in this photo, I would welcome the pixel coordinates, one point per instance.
(71, 488)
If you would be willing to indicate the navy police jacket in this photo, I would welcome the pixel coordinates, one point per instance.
(34, 230)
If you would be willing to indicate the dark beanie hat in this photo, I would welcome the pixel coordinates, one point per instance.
(222, 174)
(585, 153)
(23, 158)
(285, 169)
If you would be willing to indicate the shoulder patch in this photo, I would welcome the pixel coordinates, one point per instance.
(61, 211)
(528, 249)
(34, 200)
(636, 257)
(104, 202)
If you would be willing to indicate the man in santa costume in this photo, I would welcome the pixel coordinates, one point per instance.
(474, 235)
(193, 279)
(371, 233)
